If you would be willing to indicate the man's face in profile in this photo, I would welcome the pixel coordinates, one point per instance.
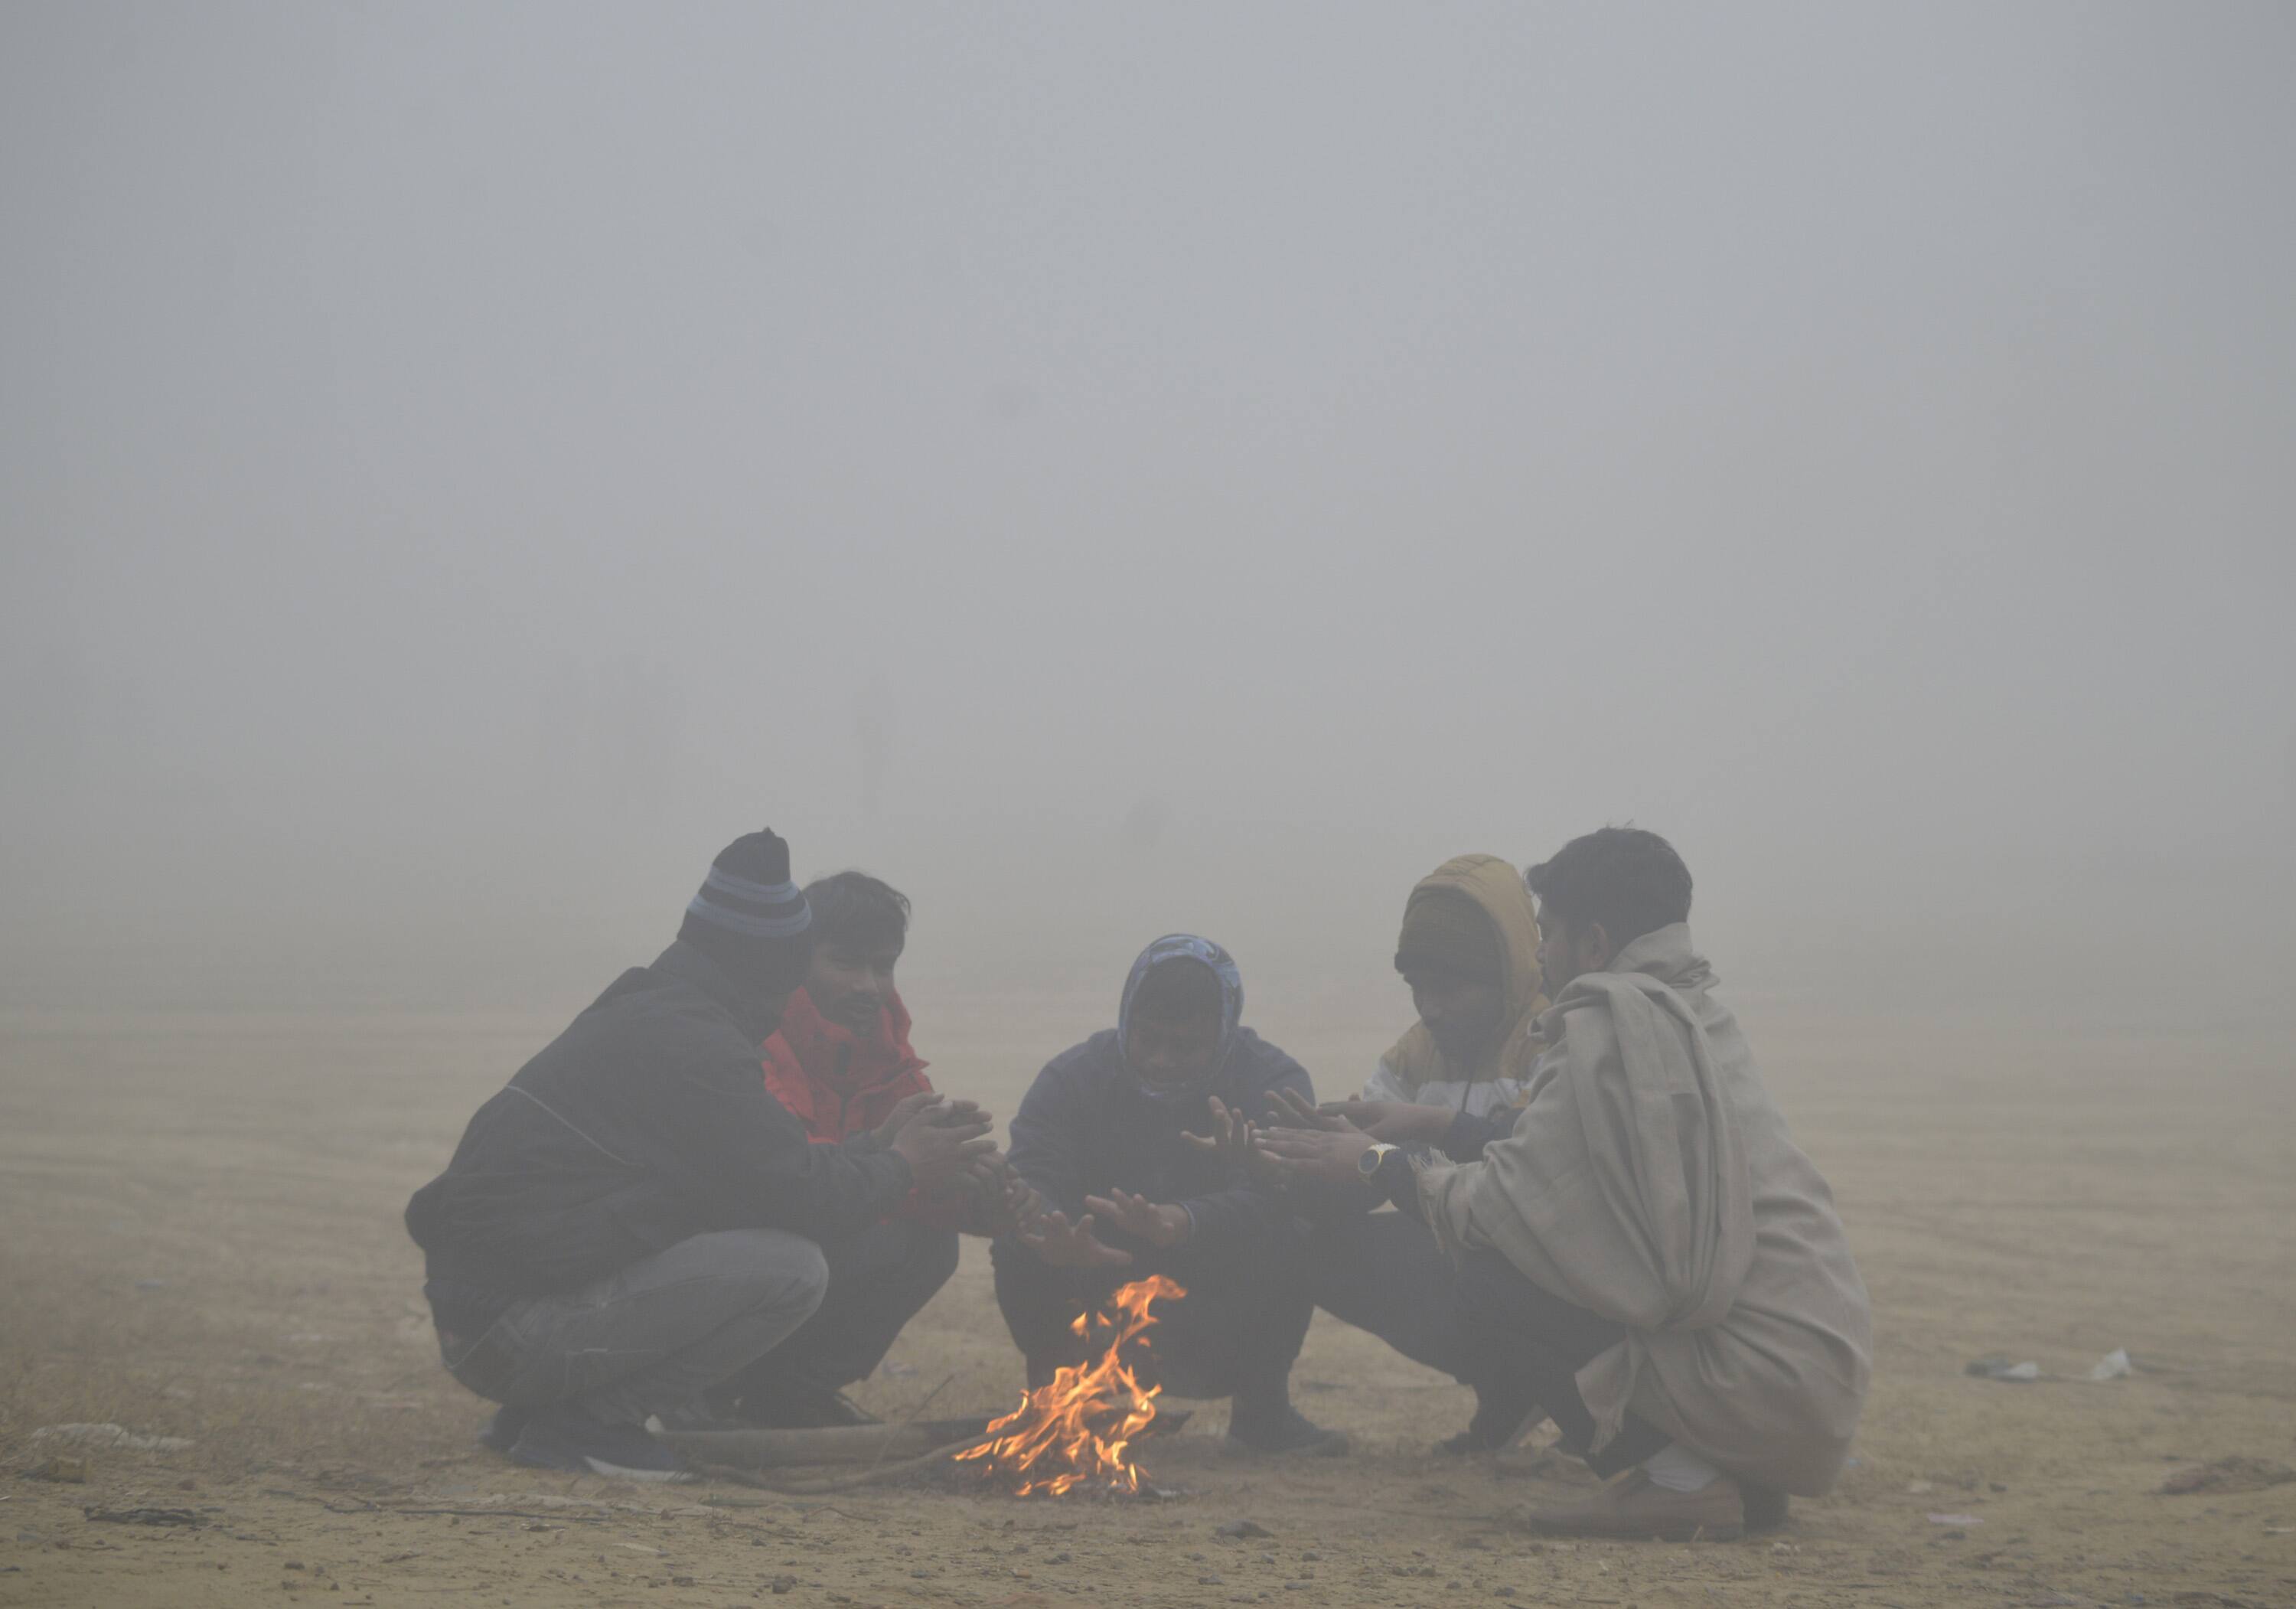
(1563, 954)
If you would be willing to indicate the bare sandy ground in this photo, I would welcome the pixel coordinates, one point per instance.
(203, 1241)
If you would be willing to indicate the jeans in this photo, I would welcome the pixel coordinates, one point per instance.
(1234, 1333)
(878, 1280)
(651, 1336)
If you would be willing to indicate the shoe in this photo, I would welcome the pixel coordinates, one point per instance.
(1293, 1433)
(502, 1430)
(792, 1402)
(1766, 1505)
(1631, 1508)
(565, 1438)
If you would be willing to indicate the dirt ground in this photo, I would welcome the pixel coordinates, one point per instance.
(203, 1242)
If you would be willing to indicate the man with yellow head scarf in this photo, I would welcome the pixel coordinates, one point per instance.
(1468, 952)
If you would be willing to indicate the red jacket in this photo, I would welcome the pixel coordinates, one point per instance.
(839, 1084)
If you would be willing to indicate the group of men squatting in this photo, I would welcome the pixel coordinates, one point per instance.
(719, 1195)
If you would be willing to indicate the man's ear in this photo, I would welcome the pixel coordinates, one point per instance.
(1595, 950)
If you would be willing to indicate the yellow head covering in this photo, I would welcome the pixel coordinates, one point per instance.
(1497, 891)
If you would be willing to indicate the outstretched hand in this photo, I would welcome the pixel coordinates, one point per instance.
(1163, 1226)
(1330, 1155)
(1066, 1245)
(1289, 1109)
(1230, 1140)
(1017, 1209)
(1398, 1122)
(982, 1186)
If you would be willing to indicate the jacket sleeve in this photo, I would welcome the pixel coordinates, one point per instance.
(1465, 1140)
(1047, 1140)
(753, 1166)
(1245, 1207)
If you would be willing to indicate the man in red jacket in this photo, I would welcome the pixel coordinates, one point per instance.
(843, 1065)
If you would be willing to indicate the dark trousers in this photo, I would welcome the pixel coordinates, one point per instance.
(878, 1280)
(1383, 1272)
(1482, 1323)
(1234, 1333)
(1523, 1347)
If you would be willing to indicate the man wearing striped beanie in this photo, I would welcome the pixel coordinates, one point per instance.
(633, 1219)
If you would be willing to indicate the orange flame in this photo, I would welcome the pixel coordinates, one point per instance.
(1075, 1431)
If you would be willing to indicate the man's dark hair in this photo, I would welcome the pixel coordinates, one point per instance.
(854, 910)
(1630, 881)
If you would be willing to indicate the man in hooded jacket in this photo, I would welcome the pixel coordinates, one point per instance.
(1104, 1137)
(1468, 952)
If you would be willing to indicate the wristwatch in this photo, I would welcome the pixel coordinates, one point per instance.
(1374, 1157)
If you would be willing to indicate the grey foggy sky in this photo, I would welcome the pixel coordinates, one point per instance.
(460, 464)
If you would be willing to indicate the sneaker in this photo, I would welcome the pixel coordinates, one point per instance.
(1631, 1508)
(502, 1430)
(563, 1437)
(1293, 1433)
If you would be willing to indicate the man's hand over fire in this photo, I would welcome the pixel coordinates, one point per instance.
(1398, 1122)
(943, 1150)
(881, 1136)
(926, 1106)
(1330, 1155)
(1018, 1208)
(1289, 1109)
(1066, 1245)
(981, 1186)
(1231, 1140)
(1162, 1226)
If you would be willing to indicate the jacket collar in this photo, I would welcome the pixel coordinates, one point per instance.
(689, 964)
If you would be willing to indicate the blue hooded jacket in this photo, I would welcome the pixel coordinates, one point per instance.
(1089, 1125)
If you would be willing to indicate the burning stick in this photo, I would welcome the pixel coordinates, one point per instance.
(1075, 1431)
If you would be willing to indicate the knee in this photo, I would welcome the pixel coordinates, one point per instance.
(774, 1269)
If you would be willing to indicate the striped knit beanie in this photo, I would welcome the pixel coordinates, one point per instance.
(747, 899)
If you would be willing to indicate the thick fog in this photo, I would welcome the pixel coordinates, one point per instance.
(1109, 468)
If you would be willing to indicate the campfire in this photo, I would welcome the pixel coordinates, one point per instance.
(1075, 1432)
